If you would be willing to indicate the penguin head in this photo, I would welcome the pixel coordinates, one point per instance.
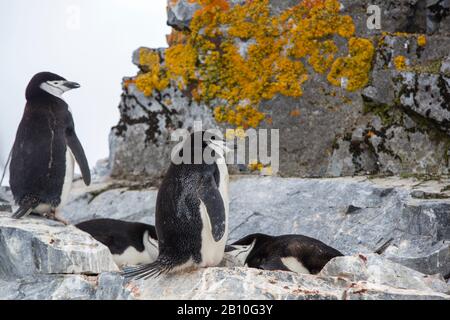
(45, 83)
(205, 146)
(242, 249)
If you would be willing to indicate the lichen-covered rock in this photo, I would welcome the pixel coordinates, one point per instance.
(394, 122)
(39, 246)
(145, 127)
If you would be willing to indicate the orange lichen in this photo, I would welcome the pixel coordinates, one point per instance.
(353, 70)
(240, 55)
(422, 40)
(400, 63)
(295, 113)
(255, 166)
(180, 63)
(155, 77)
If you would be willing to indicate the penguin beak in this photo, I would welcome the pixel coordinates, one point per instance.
(71, 85)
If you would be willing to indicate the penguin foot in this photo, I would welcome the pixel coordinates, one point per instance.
(54, 216)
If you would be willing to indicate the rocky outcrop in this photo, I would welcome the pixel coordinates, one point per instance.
(405, 220)
(394, 233)
(396, 124)
(36, 246)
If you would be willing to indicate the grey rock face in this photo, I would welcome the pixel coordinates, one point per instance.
(180, 13)
(374, 269)
(354, 215)
(37, 246)
(65, 287)
(350, 215)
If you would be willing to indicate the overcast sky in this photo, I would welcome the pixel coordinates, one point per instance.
(87, 41)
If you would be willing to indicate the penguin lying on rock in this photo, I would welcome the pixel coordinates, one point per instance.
(130, 243)
(294, 253)
(191, 210)
(42, 163)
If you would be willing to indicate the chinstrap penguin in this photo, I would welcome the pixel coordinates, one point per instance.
(42, 164)
(294, 253)
(130, 243)
(191, 210)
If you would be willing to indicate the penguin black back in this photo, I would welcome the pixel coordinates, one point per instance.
(118, 235)
(287, 252)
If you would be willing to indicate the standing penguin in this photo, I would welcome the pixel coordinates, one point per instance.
(191, 211)
(294, 253)
(42, 163)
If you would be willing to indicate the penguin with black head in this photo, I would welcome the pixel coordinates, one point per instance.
(42, 161)
(130, 243)
(294, 253)
(191, 209)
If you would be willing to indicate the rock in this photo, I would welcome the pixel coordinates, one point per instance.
(397, 125)
(243, 283)
(180, 13)
(211, 283)
(145, 127)
(39, 246)
(389, 220)
(374, 269)
(6, 199)
(65, 287)
(413, 230)
(445, 67)
(114, 201)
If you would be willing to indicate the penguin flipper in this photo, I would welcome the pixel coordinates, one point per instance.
(212, 199)
(77, 150)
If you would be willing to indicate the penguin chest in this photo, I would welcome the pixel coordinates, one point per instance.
(212, 251)
(68, 177)
(293, 264)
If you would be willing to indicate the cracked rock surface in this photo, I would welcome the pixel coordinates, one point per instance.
(405, 221)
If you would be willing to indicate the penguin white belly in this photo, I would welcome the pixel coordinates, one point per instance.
(212, 252)
(133, 257)
(294, 265)
(68, 178)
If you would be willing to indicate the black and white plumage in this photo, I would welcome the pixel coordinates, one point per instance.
(191, 212)
(42, 163)
(294, 253)
(130, 243)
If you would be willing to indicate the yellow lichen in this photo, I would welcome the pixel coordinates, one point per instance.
(239, 55)
(353, 70)
(155, 77)
(255, 166)
(180, 63)
(400, 63)
(422, 40)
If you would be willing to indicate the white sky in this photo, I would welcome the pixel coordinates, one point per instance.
(94, 50)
